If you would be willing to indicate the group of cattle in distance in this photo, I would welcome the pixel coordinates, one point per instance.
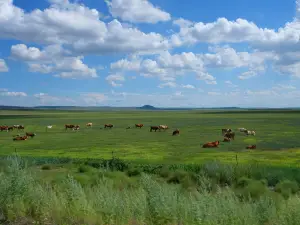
(11, 128)
(137, 125)
(229, 135)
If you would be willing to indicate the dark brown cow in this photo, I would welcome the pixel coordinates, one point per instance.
(10, 128)
(211, 144)
(30, 134)
(154, 128)
(108, 125)
(140, 125)
(251, 147)
(69, 126)
(175, 132)
(76, 127)
(20, 138)
(230, 135)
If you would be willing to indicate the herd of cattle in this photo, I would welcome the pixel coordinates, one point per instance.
(227, 133)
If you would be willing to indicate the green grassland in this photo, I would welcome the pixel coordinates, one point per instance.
(277, 136)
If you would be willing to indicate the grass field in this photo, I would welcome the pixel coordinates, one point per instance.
(277, 136)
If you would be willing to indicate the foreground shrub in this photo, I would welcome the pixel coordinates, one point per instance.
(84, 169)
(46, 167)
(286, 188)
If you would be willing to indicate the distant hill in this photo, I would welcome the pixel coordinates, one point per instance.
(148, 107)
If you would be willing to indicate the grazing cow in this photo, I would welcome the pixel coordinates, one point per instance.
(76, 127)
(19, 138)
(226, 130)
(175, 132)
(69, 126)
(4, 128)
(128, 127)
(140, 125)
(20, 127)
(230, 135)
(49, 127)
(10, 128)
(211, 144)
(108, 125)
(242, 129)
(163, 127)
(30, 134)
(251, 147)
(226, 139)
(89, 124)
(250, 132)
(154, 128)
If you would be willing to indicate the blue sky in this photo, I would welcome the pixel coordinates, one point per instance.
(161, 52)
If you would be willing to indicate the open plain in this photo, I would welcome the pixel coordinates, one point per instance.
(277, 135)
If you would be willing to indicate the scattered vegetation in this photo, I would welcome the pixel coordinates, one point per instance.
(173, 194)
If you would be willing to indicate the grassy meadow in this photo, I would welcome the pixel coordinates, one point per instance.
(277, 136)
(133, 176)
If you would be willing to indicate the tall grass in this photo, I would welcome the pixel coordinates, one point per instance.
(24, 196)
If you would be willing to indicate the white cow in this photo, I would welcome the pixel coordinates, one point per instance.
(242, 129)
(250, 132)
(48, 127)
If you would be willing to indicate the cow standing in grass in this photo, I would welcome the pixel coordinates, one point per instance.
(225, 130)
(139, 125)
(155, 128)
(175, 132)
(108, 125)
(163, 127)
(30, 134)
(250, 132)
(48, 127)
(230, 135)
(76, 127)
(69, 126)
(89, 124)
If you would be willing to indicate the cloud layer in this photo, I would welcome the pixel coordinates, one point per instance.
(61, 39)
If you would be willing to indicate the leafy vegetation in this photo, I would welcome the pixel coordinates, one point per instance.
(68, 194)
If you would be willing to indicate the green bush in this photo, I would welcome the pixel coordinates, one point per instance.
(286, 188)
(132, 172)
(46, 167)
(252, 190)
(83, 169)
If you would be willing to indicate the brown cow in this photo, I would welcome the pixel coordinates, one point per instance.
(69, 126)
(10, 128)
(211, 144)
(4, 128)
(30, 134)
(108, 125)
(175, 132)
(140, 125)
(154, 128)
(251, 147)
(20, 138)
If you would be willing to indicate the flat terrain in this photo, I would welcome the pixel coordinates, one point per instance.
(277, 136)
